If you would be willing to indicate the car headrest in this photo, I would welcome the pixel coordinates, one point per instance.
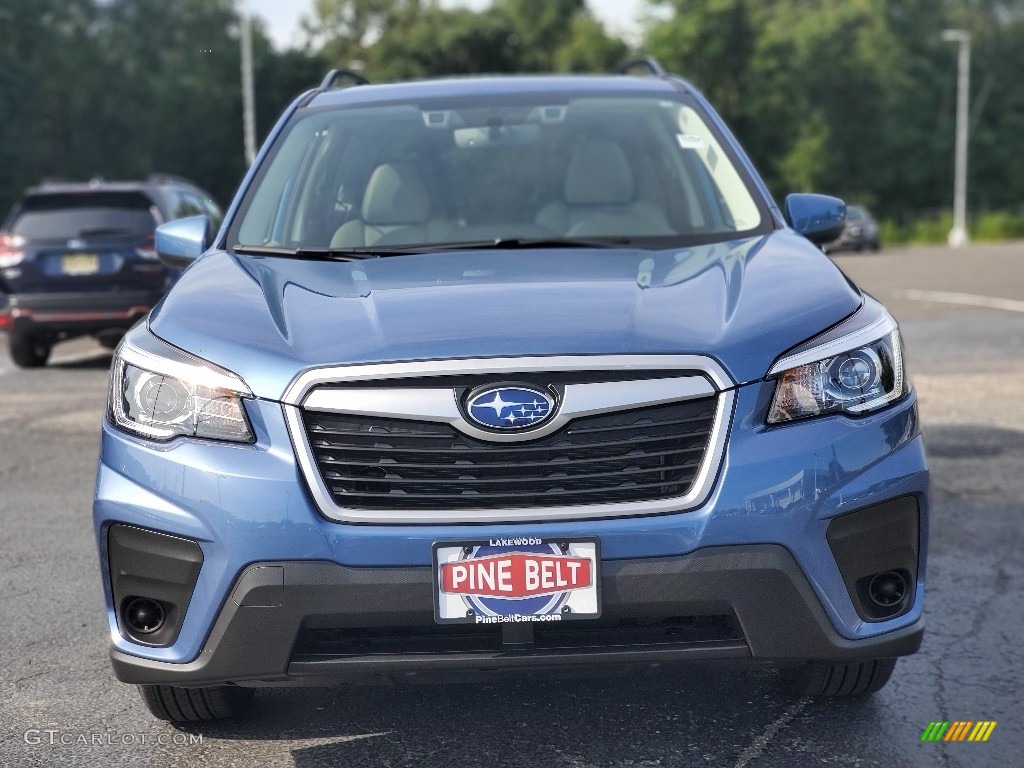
(599, 174)
(396, 195)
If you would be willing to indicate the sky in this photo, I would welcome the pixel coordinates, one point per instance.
(282, 16)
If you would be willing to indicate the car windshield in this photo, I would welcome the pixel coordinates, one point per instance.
(68, 215)
(643, 170)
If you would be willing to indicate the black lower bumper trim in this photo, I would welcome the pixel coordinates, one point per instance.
(369, 669)
(83, 312)
(778, 618)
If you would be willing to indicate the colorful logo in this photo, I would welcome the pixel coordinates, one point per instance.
(510, 408)
(959, 730)
(532, 580)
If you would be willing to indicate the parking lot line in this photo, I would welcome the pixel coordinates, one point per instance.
(963, 299)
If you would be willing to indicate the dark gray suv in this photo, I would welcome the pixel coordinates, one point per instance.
(77, 258)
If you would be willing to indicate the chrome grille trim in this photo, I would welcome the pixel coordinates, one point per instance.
(339, 374)
(440, 405)
(630, 396)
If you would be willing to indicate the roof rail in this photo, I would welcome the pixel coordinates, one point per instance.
(52, 181)
(647, 62)
(335, 77)
(169, 178)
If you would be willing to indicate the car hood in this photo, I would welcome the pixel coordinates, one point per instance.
(742, 303)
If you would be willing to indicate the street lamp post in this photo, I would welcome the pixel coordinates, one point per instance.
(958, 235)
(248, 106)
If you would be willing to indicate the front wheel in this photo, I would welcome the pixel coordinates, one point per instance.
(857, 679)
(195, 705)
(27, 351)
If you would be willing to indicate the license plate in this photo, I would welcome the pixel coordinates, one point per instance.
(80, 264)
(501, 581)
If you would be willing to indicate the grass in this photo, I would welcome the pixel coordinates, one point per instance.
(991, 226)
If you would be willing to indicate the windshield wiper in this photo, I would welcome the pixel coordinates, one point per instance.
(523, 243)
(372, 252)
(334, 254)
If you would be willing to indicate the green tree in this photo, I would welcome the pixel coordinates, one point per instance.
(855, 97)
(589, 47)
(125, 88)
(176, 66)
(279, 78)
(49, 82)
(402, 39)
(444, 42)
(344, 30)
(541, 28)
(711, 42)
(997, 111)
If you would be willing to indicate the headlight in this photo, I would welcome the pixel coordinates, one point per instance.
(160, 392)
(856, 381)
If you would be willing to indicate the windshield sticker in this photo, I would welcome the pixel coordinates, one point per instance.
(690, 141)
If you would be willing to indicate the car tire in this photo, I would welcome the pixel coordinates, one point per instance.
(195, 705)
(857, 679)
(27, 351)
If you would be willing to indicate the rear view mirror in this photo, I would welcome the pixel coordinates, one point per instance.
(819, 218)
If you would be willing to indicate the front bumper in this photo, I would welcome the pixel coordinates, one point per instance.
(322, 623)
(755, 557)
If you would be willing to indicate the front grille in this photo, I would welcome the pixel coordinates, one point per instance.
(392, 464)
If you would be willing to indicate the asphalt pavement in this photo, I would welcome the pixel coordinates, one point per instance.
(962, 317)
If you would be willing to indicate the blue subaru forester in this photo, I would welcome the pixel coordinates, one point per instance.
(490, 375)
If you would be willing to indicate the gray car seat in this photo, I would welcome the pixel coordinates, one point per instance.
(395, 211)
(599, 197)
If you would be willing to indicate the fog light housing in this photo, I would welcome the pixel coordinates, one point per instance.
(876, 549)
(152, 577)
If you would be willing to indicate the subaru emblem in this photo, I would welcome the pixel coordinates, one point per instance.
(510, 408)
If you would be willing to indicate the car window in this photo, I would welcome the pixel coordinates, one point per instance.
(186, 203)
(67, 215)
(480, 169)
(212, 211)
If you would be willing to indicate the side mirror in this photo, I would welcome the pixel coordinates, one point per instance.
(182, 241)
(819, 218)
